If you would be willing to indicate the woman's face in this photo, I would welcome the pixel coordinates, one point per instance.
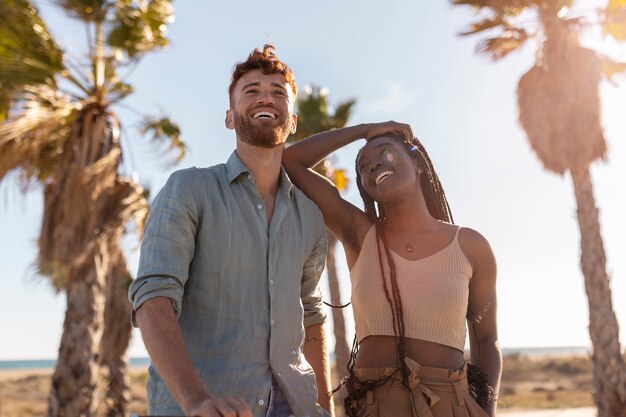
(386, 168)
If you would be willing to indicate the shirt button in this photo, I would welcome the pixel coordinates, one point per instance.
(271, 282)
(260, 206)
(273, 323)
(293, 352)
(261, 402)
(249, 176)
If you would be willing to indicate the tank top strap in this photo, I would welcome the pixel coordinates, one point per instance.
(370, 236)
(368, 246)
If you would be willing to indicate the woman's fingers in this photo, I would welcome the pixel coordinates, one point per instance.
(379, 129)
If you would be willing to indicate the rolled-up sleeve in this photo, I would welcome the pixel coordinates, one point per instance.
(311, 295)
(168, 244)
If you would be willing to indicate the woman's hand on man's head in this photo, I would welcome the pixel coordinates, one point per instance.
(379, 129)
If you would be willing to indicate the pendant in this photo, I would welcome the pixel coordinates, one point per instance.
(409, 248)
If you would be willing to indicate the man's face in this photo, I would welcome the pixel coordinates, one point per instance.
(262, 109)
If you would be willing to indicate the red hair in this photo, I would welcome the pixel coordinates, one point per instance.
(267, 62)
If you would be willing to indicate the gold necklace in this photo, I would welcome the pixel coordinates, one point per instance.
(409, 246)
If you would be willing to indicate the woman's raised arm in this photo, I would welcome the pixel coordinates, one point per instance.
(345, 220)
(340, 216)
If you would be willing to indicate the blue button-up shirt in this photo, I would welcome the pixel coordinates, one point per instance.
(243, 290)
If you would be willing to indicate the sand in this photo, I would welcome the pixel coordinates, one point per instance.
(8, 375)
(531, 387)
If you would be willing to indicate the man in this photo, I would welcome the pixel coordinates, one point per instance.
(227, 295)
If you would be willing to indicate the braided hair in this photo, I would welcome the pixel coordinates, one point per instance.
(439, 208)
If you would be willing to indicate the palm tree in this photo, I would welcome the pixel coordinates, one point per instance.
(314, 117)
(559, 109)
(117, 329)
(59, 130)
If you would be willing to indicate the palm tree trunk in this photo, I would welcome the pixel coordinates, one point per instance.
(75, 378)
(609, 370)
(342, 351)
(116, 338)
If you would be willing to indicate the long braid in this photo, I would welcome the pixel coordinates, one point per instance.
(439, 208)
(356, 388)
(397, 311)
(434, 195)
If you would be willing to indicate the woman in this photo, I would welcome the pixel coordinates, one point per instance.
(415, 278)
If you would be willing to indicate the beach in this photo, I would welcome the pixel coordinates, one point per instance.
(24, 392)
(561, 412)
(532, 386)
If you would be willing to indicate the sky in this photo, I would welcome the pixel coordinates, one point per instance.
(401, 60)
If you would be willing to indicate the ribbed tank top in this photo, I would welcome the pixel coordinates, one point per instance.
(434, 293)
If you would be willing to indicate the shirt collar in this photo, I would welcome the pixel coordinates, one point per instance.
(286, 186)
(234, 168)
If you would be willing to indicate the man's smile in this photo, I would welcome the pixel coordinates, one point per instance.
(264, 115)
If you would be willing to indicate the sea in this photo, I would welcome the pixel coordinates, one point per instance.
(51, 363)
(144, 361)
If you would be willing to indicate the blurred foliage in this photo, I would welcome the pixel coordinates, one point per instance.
(314, 116)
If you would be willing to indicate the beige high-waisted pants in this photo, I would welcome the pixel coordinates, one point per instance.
(437, 392)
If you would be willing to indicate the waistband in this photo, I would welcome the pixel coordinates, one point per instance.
(427, 373)
(423, 382)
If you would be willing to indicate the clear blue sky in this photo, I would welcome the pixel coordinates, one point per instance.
(404, 61)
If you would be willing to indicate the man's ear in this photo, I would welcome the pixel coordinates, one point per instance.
(230, 119)
(294, 123)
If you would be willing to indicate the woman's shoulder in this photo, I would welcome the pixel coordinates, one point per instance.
(465, 235)
(471, 236)
(474, 245)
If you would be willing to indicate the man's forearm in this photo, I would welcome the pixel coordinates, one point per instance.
(164, 342)
(315, 353)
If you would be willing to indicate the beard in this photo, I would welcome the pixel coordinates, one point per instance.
(261, 135)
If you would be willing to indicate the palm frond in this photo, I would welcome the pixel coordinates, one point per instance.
(485, 24)
(473, 3)
(121, 204)
(5, 103)
(28, 53)
(165, 130)
(134, 205)
(314, 117)
(614, 20)
(86, 10)
(499, 47)
(119, 90)
(614, 5)
(80, 196)
(612, 68)
(32, 140)
(559, 109)
(500, 7)
(343, 111)
(140, 28)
